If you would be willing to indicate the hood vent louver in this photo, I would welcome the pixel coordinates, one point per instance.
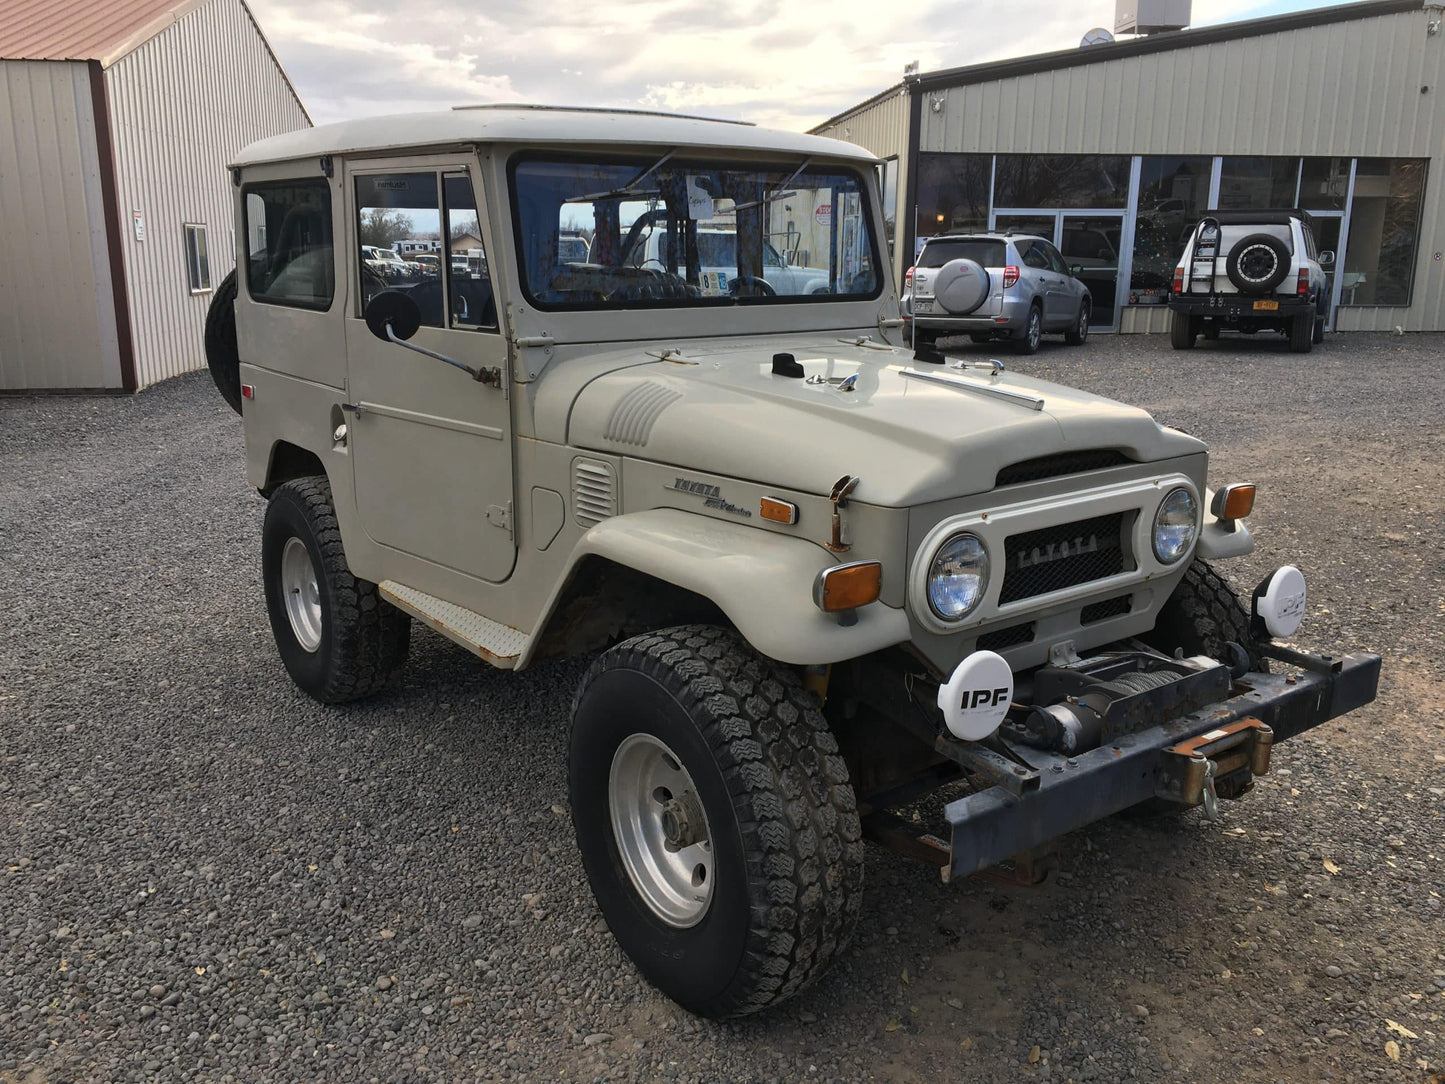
(594, 491)
(1061, 465)
(635, 414)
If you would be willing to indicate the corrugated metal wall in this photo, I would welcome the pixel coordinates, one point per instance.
(1349, 88)
(57, 317)
(182, 105)
(881, 128)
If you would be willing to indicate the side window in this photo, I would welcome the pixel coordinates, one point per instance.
(289, 255)
(395, 207)
(198, 260)
(1056, 261)
(1034, 255)
(472, 303)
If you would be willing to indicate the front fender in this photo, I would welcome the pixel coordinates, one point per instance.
(762, 581)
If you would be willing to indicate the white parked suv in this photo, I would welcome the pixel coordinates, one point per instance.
(1250, 271)
(994, 286)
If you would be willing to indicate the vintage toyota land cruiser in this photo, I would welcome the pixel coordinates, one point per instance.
(820, 579)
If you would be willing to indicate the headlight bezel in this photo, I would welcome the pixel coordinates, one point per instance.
(1191, 540)
(983, 559)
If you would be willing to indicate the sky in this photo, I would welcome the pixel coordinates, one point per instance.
(785, 65)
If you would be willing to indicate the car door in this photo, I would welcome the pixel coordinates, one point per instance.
(1036, 258)
(431, 447)
(1071, 290)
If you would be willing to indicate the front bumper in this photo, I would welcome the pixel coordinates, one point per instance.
(1057, 794)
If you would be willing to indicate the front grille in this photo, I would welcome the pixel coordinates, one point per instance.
(1057, 466)
(1102, 611)
(1053, 558)
(1004, 638)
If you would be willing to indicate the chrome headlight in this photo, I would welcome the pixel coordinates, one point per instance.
(957, 577)
(1176, 525)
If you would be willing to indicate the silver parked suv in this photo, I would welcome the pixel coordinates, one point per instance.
(993, 286)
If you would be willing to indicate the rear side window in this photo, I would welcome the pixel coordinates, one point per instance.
(981, 251)
(289, 255)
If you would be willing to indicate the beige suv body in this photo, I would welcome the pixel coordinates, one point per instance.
(800, 549)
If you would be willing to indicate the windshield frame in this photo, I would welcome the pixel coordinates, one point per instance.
(703, 157)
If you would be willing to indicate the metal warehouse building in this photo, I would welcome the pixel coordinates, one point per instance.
(117, 120)
(1113, 150)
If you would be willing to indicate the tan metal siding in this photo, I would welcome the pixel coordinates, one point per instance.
(182, 106)
(57, 320)
(1351, 89)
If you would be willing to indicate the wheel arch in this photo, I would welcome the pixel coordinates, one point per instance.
(652, 565)
(287, 462)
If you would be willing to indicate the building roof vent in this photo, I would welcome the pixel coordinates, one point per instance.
(1150, 16)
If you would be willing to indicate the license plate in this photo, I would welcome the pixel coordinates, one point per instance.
(922, 306)
(1266, 306)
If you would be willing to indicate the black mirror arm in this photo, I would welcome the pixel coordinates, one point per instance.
(485, 376)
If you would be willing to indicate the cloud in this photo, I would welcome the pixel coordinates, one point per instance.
(784, 64)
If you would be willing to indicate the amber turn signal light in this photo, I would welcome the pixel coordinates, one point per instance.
(776, 511)
(1233, 502)
(846, 587)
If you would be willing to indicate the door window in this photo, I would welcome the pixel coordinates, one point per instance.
(391, 208)
(1034, 255)
(472, 301)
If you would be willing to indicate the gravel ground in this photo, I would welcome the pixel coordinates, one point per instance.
(205, 875)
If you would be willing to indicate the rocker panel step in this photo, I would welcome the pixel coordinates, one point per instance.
(489, 640)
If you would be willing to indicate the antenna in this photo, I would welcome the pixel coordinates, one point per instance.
(1097, 36)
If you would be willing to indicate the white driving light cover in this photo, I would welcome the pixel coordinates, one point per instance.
(1279, 601)
(1176, 525)
(957, 577)
(977, 697)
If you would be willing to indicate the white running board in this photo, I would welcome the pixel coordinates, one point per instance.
(489, 640)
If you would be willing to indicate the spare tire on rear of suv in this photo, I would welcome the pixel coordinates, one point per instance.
(1258, 263)
(221, 353)
(960, 286)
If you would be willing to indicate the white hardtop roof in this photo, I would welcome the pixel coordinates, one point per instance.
(545, 125)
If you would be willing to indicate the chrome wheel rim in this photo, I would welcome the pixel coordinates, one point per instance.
(661, 830)
(1084, 322)
(1035, 328)
(302, 593)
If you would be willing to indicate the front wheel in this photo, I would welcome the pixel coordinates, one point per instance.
(1079, 333)
(1203, 616)
(715, 819)
(337, 637)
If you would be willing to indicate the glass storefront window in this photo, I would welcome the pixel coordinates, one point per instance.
(952, 193)
(1082, 181)
(1258, 183)
(1384, 231)
(1324, 184)
(1173, 193)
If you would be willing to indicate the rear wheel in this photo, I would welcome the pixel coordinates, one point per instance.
(715, 819)
(1182, 331)
(1033, 332)
(1079, 333)
(1302, 334)
(337, 637)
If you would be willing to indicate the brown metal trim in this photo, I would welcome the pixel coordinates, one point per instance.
(110, 199)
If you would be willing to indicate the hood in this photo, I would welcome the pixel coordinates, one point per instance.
(721, 410)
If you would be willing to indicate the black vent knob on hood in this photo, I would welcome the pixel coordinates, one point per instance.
(787, 365)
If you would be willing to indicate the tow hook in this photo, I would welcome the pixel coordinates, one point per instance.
(1219, 763)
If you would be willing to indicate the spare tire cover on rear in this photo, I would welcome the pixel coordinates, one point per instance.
(960, 286)
(1258, 263)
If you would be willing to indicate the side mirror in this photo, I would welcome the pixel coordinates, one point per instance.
(1327, 258)
(1076, 269)
(394, 311)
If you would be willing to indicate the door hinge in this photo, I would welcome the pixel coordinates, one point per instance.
(500, 515)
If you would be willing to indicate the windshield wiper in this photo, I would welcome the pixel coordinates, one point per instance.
(628, 189)
(777, 193)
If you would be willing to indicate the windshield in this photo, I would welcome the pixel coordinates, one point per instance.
(665, 232)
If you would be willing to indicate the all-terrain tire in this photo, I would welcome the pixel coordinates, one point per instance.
(1182, 331)
(1319, 333)
(1258, 263)
(1202, 616)
(222, 355)
(363, 638)
(1302, 334)
(782, 820)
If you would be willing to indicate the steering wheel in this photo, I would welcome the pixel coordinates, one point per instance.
(750, 286)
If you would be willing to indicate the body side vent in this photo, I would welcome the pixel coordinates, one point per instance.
(594, 491)
(635, 414)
